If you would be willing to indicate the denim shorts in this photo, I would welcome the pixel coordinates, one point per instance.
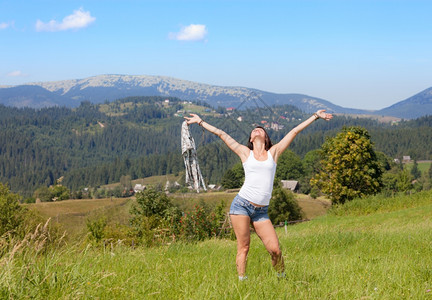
(241, 206)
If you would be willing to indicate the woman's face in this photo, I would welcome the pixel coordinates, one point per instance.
(257, 132)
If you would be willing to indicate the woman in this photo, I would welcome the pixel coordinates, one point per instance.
(250, 206)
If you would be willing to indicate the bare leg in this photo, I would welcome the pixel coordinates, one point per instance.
(241, 227)
(267, 234)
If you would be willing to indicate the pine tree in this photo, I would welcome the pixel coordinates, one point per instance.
(415, 172)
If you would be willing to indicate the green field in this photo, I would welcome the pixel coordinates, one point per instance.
(423, 166)
(376, 248)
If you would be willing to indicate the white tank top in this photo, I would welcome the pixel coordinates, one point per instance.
(259, 177)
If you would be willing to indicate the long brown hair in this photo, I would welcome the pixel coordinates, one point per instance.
(268, 143)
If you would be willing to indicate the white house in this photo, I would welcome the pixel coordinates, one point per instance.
(139, 188)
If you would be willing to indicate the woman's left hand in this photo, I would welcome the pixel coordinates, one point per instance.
(323, 115)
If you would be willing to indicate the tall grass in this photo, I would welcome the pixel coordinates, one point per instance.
(380, 255)
(382, 203)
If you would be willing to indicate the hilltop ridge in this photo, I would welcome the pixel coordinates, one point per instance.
(102, 88)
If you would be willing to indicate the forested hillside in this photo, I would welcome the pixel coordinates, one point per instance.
(140, 136)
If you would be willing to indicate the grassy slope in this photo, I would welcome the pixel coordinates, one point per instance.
(383, 253)
(72, 214)
(153, 180)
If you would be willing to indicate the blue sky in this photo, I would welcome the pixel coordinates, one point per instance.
(358, 54)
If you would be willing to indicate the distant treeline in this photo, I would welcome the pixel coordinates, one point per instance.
(140, 136)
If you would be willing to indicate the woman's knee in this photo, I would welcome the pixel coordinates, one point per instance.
(242, 248)
(275, 252)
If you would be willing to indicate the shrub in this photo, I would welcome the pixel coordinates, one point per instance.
(22, 229)
(218, 217)
(154, 217)
(194, 225)
(172, 219)
(283, 207)
(11, 212)
(151, 202)
(57, 192)
(155, 220)
(118, 232)
(96, 228)
(202, 223)
(315, 192)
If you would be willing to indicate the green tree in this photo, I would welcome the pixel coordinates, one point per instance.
(311, 166)
(311, 162)
(117, 191)
(289, 166)
(350, 167)
(56, 192)
(234, 177)
(415, 171)
(424, 182)
(396, 180)
(126, 182)
(59, 192)
(403, 183)
(11, 212)
(43, 193)
(390, 182)
(229, 181)
(283, 207)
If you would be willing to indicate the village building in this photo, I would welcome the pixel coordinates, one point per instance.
(214, 187)
(276, 127)
(139, 188)
(406, 159)
(292, 185)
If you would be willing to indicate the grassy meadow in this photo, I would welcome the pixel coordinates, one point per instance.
(374, 248)
(73, 214)
(423, 166)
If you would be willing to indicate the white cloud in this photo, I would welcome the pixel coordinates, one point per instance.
(16, 74)
(193, 32)
(4, 25)
(79, 19)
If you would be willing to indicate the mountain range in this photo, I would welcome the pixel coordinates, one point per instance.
(102, 88)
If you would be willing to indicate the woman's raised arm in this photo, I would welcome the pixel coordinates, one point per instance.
(280, 147)
(239, 149)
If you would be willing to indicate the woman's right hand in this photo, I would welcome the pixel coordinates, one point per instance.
(193, 119)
